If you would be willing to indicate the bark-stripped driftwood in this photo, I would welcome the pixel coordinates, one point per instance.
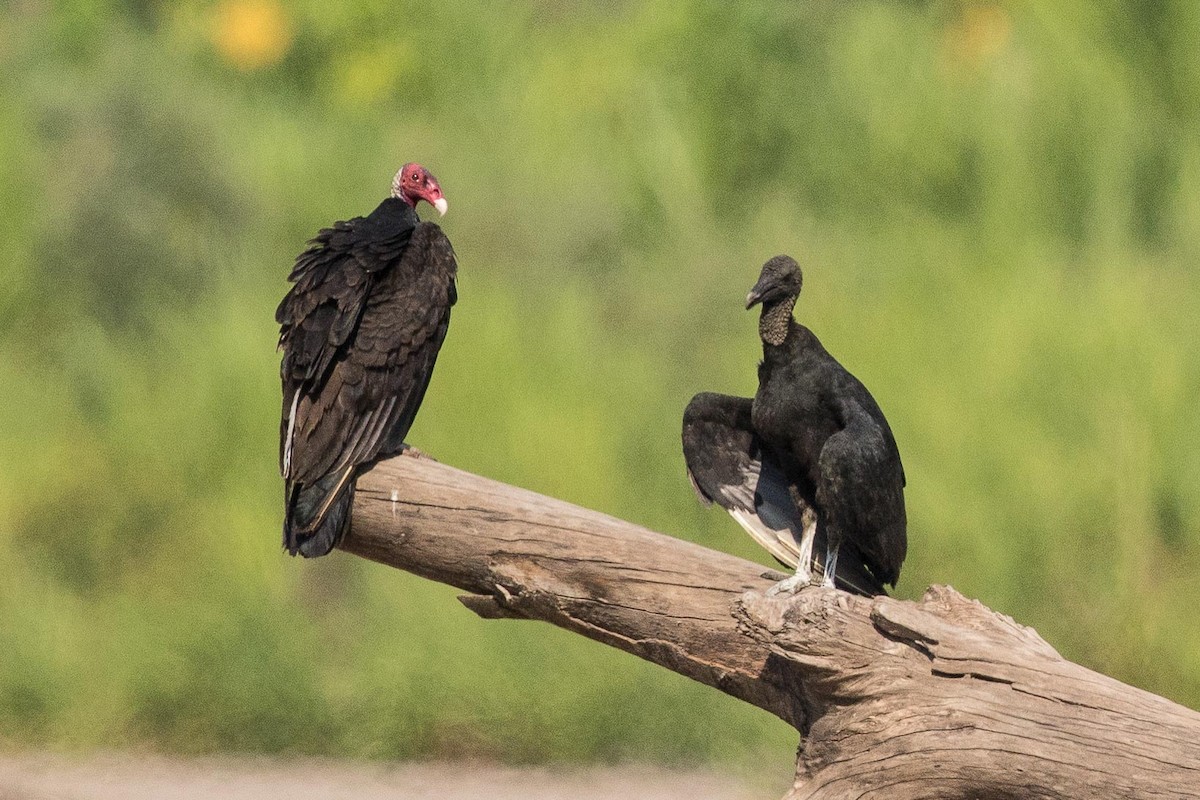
(943, 698)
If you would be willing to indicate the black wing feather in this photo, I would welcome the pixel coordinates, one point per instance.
(721, 450)
(860, 490)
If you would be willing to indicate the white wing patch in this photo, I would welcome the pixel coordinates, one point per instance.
(781, 544)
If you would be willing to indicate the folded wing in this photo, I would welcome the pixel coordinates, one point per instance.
(360, 330)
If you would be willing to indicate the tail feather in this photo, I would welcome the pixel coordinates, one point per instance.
(853, 574)
(317, 515)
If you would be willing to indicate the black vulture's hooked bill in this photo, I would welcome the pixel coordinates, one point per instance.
(810, 461)
(360, 331)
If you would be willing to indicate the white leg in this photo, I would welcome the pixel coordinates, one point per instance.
(803, 576)
(831, 554)
(804, 564)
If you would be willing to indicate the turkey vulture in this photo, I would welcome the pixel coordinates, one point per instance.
(809, 461)
(360, 330)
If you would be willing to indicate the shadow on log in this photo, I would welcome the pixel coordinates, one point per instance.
(893, 699)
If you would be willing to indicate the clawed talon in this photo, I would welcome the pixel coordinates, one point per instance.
(790, 585)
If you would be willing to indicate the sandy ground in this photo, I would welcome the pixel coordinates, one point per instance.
(136, 777)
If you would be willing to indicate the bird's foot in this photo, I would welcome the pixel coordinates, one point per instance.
(791, 585)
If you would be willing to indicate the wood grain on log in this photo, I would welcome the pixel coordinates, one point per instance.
(943, 698)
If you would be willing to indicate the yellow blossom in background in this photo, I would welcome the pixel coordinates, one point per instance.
(252, 34)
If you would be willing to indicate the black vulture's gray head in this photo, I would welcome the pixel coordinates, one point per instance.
(779, 280)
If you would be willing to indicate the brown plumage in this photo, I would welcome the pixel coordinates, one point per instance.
(360, 331)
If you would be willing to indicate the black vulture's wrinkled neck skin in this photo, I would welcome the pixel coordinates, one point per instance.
(776, 320)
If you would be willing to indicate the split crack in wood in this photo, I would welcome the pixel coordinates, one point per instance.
(938, 698)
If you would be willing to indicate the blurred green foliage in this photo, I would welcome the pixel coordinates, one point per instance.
(997, 206)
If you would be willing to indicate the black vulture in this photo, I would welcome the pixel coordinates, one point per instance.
(360, 330)
(809, 462)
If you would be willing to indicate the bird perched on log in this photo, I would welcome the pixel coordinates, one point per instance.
(810, 461)
(360, 330)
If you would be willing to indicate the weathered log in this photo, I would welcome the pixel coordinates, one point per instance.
(943, 698)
